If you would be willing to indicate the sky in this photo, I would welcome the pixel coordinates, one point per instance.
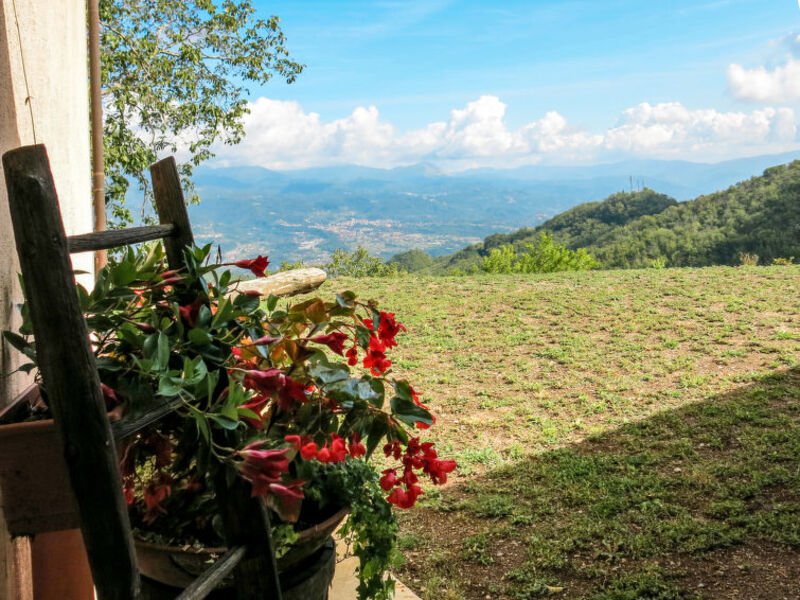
(469, 83)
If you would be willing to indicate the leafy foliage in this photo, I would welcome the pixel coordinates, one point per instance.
(759, 217)
(413, 260)
(543, 256)
(173, 74)
(359, 263)
(260, 395)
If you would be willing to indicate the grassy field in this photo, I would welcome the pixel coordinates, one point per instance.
(620, 434)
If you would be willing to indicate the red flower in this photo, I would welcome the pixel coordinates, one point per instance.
(309, 451)
(189, 312)
(154, 493)
(266, 382)
(389, 479)
(163, 449)
(352, 356)
(294, 440)
(393, 449)
(291, 392)
(290, 495)
(128, 491)
(262, 467)
(404, 498)
(263, 341)
(388, 329)
(335, 341)
(256, 265)
(415, 396)
(438, 470)
(324, 455)
(356, 448)
(338, 449)
(252, 293)
(273, 380)
(255, 404)
(109, 395)
(376, 360)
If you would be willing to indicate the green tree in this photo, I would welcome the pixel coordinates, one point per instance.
(173, 78)
(542, 256)
(359, 263)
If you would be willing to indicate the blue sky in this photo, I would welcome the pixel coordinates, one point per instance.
(380, 73)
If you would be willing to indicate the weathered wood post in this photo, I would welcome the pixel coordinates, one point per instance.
(68, 372)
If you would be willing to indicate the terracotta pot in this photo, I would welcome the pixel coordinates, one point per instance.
(36, 493)
(178, 566)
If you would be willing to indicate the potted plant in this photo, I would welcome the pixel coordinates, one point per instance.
(297, 400)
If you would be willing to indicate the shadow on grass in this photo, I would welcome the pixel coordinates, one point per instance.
(699, 502)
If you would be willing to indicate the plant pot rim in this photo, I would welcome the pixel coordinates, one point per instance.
(210, 550)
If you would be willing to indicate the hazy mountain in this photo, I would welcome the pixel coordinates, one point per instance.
(759, 217)
(304, 214)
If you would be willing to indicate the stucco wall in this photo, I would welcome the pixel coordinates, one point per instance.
(49, 38)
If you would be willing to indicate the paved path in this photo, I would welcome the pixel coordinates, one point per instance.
(345, 581)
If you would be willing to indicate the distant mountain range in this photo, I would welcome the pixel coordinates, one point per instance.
(755, 220)
(305, 214)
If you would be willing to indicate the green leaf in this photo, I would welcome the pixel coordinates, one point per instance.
(272, 302)
(203, 316)
(224, 313)
(377, 432)
(224, 422)
(123, 273)
(408, 412)
(202, 426)
(346, 299)
(168, 388)
(247, 413)
(246, 304)
(17, 341)
(150, 345)
(199, 336)
(362, 335)
(163, 350)
(327, 373)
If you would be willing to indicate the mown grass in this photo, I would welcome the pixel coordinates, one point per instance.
(619, 433)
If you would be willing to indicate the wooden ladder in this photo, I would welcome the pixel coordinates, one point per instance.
(69, 375)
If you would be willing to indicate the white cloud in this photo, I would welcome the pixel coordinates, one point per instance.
(281, 135)
(671, 128)
(779, 85)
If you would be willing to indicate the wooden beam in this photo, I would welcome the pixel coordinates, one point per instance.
(68, 372)
(213, 576)
(246, 523)
(126, 427)
(111, 238)
(171, 208)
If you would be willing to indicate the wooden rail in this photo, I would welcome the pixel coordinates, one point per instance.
(111, 238)
(171, 208)
(127, 427)
(69, 374)
(213, 576)
(68, 370)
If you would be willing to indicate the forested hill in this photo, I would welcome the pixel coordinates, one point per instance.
(759, 216)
